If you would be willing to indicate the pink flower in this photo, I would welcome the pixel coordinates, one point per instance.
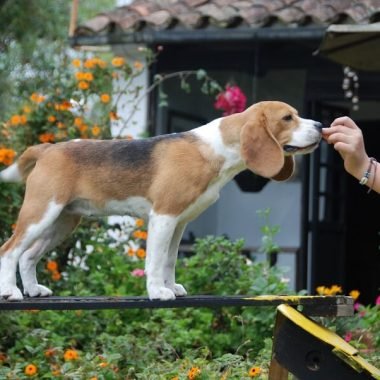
(232, 100)
(377, 302)
(348, 336)
(138, 272)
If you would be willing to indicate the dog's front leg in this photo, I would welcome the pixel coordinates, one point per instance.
(160, 233)
(169, 274)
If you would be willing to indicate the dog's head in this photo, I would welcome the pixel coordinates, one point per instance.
(272, 134)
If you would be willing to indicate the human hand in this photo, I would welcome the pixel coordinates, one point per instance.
(347, 139)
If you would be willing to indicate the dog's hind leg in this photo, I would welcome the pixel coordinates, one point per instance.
(169, 271)
(31, 224)
(53, 236)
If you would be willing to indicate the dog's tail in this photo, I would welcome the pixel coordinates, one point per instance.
(20, 170)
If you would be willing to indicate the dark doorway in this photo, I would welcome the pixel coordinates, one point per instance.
(363, 227)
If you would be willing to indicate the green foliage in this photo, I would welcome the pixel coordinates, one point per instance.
(130, 341)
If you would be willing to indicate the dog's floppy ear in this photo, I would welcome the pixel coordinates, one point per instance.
(261, 151)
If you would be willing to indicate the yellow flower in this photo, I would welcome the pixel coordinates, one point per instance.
(70, 355)
(52, 119)
(321, 290)
(118, 61)
(96, 130)
(76, 62)
(335, 289)
(354, 294)
(83, 85)
(193, 373)
(30, 370)
(105, 98)
(254, 371)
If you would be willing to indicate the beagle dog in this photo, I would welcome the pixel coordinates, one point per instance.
(167, 180)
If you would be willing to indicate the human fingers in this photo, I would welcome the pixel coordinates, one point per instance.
(344, 120)
(339, 137)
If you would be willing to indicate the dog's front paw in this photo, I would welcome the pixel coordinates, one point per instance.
(11, 293)
(179, 290)
(37, 290)
(161, 293)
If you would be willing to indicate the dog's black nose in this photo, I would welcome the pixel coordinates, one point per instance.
(318, 125)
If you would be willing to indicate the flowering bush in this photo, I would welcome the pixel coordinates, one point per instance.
(231, 100)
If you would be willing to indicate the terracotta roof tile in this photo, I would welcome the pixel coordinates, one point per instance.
(195, 14)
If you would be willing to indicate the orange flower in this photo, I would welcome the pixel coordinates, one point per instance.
(95, 130)
(139, 222)
(79, 75)
(103, 364)
(23, 119)
(70, 355)
(60, 125)
(118, 61)
(83, 85)
(56, 276)
(89, 63)
(30, 370)
(27, 109)
(193, 373)
(52, 119)
(78, 121)
(254, 371)
(37, 98)
(52, 266)
(7, 156)
(138, 65)
(131, 252)
(76, 62)
(105, 98)
(49, 352)
(141, 253)
(83, 128)
(46, 137)
(15, 120)
(88, 77)
(114, 116)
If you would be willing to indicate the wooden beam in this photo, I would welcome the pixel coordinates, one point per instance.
(310, 305)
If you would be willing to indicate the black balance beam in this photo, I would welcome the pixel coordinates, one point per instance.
(338, 306)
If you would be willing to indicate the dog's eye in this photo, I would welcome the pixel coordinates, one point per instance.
(288, 118)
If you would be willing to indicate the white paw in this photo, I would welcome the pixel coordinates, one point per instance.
(11, 293)
(161, 293)
(179, 290)
(37, 290)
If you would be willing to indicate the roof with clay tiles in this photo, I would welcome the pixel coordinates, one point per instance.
(165, 15)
